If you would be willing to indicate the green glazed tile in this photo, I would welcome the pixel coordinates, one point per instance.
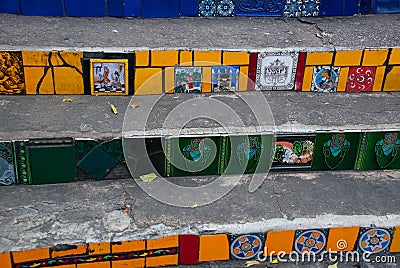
(114, 149)
(97, 163)
(21, 160)
(82, 147)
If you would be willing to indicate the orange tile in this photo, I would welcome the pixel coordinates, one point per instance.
(95, 265)
(395, 246)
(164, 242)
(55, 59)
(342, 83)
(35, 58)
(307, 79)
(394, 56)
(136, 263)
(392, 79)
(207, 58)
(342, 239)
(379, 76)
(375, 57)
(243, 78)
(169, 83)
(32, 78)
(206, 80)
(348, 58)
(214, 247)
(77, 250)
(164, 58)
(319, 58)
(161, 261)
(144, 85)
(31, 255)
(63, 266)
(186, 57)
(128, 246)
(236, 58)
(73, 59)
(67, 80)
(278, 241)
(99, 248)
(5, 260)
(142, 58)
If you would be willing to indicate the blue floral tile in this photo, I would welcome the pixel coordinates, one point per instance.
(7, 173)
(310, 8)
(207, 8)
(310, 241)
(293, 8)
(374, 240)
(226, 8)
(325, 79)
(246, 247)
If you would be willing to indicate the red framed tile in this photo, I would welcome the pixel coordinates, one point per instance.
(300, 71)
(188, 249)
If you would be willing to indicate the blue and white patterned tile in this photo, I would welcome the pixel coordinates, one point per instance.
(325, 79)
(374, 240)
(310, 241)
(7, 173)
(246, 247)
(310, 8)
(207, 8)
(293, 8)
(226, 8)
(259, 8)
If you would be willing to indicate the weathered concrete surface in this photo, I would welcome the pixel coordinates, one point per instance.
(45, 215)
(226, 33)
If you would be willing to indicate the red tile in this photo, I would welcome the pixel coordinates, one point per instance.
(188, 249)
(361, 79)
(252, 71)
(300, 71)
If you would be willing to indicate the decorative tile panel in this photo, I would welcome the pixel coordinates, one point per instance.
(325, 79)
(246, 247)
(188, 80)
(310, 8)
(109, 77)
(225, 78)
(11, 72)
(212, 8)
(374, 240)
(276, 70)
(293, 8)
(310, 241)
(7, 173)
(21, 161)
(270, 8)
(361, 79)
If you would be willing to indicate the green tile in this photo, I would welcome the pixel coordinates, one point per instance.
(114, 149)
(335, 151)
(379, 150)
(97, 163)
(51, 160)
(248, 154)
(7, 173)
(21, 160)
(83, 147)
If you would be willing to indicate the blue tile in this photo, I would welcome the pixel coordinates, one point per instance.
(42, 7)
(189, 8)
(259, 8)
(115, 8)
(9, 6)
(160, 9)
(331, 8)
(350, 7)
(386, 6)
(132, 8)
(87, 8)
(366, 7)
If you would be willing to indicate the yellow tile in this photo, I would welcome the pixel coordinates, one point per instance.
(236, 58)
(342, 239)
(378, 81)
(161, 261)
(375, 57)
(186, 58)
(142, 58)
(63, 266)
(73, 59)
(55, 59)
(278, 241)
(128, 246)
(32, 77)
(243, 78)
(35, 58)
(206, 80)
(348, 58)
(392, 79)
(169, 82)
(136, 263)
(79, 250)
(164, 242)
(146, 86)
(395, 56)
(342, 83)
(164, 58)
(67, 80)
(31, 255)
(5, 260)
(319, 58)
(99, 248)
(395, 246)
(213, 247)
(207, 58)
(94, 265)
(307, 79)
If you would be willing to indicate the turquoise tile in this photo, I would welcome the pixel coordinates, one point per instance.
(97, 163)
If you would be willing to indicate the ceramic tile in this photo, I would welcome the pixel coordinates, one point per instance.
(375, 57)
(276, 70)
(135, 263)
(128, 246)
(365, 7)
(394, 56)
(279, 241)
(160, 9)
(87, 8)
(310, 241)
(162, 261)
(109, 77)
(225, 8)
(5, 259)
(31, 255)
(325, 79)
(331, 8)
(293, 151)
(114, 149)
(68, 250)
(169, 76)
(132, 8)
(51, 160)
(207, 8)
(115, 8)
(206, 80)
(7, 167)
(21, 161)
(97, 163)
(39, 80)
(186, 58)
(350, 7)
(395, 245)
(336, 151)
(342, 83)
(163, 58)
(348, 58)
(11, 71)
(246, 247)
(252, 71)
(342, 239)
(310, 8)
(83, 147)
(270, 8)
(142, 58)
(163, 242)
(300, 71)
(235, 58)
(189, 8)
(319, 58)
(99, 248)
(213, 248)
(146, 86)
(293, 8)
(374, 240)
(212, 8)
(188, 80)
(243, 78)
(379, 76)
(188, 249)
(42, 7)
(361, 79)
(386, 6)
(94, 265)
(225, 78)
(10, 6)
(68, 81)
(307, 79)
(207, 58)
(392, 78)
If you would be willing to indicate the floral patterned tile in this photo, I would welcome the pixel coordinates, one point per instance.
(219, 8)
